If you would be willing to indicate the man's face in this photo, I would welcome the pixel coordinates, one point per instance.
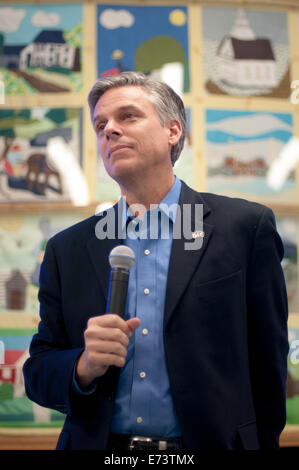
(131, 138)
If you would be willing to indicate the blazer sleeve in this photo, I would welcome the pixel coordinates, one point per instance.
(267, 330)
(48, 372)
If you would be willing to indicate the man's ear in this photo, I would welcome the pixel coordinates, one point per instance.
(175, 131)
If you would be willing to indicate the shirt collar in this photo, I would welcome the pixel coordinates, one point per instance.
(168, 205)
(171, 199)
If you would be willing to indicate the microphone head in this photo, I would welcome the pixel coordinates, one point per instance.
(122, 257)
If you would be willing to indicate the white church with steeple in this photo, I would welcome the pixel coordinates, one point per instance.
(244, 60)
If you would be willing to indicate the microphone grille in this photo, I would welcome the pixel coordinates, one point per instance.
(122, 257)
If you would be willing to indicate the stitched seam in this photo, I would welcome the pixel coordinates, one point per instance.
(222, 278)
(246, 424)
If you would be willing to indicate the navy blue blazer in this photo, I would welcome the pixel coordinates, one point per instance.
(225, 330)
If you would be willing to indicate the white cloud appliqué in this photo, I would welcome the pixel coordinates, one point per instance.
(40, 18)
(10, 19)
(112, 19)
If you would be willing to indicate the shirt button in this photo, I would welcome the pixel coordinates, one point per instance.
(146, 252)
(145, 331)
(142, 375)
(146, 291)
(139, 419)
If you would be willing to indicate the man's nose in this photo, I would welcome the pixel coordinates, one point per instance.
(112, 129)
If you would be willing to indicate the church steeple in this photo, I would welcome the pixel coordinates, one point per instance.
(241, 28)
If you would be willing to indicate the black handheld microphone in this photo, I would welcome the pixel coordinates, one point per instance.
(121, 259)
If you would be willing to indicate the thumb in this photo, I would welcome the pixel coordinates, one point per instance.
(133, 323)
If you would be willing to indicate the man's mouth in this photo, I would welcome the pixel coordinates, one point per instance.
(117, 148)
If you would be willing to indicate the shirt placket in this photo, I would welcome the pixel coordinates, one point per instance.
(145, 310)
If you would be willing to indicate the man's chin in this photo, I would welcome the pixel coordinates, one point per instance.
(122, 167)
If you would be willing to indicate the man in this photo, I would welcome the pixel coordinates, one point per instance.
(199, 360)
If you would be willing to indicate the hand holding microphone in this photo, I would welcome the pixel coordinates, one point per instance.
(107, 336)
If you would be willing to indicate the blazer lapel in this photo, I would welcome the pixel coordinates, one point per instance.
(183, 262)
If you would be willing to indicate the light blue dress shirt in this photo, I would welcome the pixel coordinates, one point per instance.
(143, 402)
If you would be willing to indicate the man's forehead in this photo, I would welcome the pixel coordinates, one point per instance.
(124, 92)
(122, 98)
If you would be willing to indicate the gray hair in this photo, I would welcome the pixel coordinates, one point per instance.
(168, 104)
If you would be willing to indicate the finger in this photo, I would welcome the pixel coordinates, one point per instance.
(106, 334)
(133, 323)
(109, 320)
(107, 347)
(100, 360)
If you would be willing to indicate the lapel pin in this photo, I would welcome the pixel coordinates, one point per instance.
(198, 234)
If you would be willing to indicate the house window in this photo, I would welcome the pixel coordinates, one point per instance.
(50, 55)
(258, 71)
(66, 56)
(6, 373)
(247, 72)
